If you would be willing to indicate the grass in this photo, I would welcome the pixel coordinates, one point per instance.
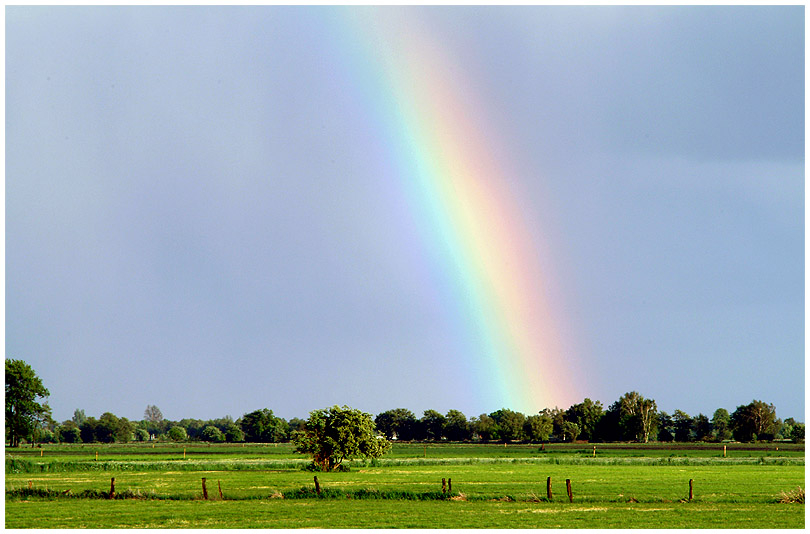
(755, 488)
(281, 513)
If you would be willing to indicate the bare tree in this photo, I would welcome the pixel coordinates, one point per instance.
(152, 414)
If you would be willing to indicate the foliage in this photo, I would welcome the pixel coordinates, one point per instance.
(178, 433)
(797, 433)
(69, 433)
(456, 427)
(332, 435)
(261, 426)
(23, 412)
(586, 415)
(638, 417)
(433, 425)
(570, 431)
(684, 426)
(538, 427)
(398, 424)
(141, 434)
(703, 427)
(212, 434)
(756, 420)
(721, 424)
(510, 424)
(79, 417)
(485, 427)
(234, 434)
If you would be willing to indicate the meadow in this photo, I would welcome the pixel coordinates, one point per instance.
(491, 486)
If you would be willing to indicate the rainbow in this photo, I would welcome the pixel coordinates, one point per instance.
(469, 221)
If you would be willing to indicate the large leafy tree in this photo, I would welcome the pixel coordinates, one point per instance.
(638, 417)
(684, 425)
(399, 423)
(586, 415)
(721, 424)
(510, 424)
(332, 435)
(756, 420)
(538, 427)
(23, 412)
(433, 424)
(456, 427)
(485, 427)
(262, 426)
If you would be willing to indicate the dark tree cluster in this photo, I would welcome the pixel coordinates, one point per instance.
(630, 418)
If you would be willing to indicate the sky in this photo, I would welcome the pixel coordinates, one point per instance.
(220, 209)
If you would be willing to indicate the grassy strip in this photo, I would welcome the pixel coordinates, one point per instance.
(19, 466)
(301, 493)
(16, 465)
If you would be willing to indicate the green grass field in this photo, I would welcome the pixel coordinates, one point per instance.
(492, 486)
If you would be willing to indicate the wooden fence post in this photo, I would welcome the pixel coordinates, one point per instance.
(444, 485)
(219, 483)
(205, 490)
(690, 489)
(724, 451)
(317, 486)
(30, 484)
(449, 485)
(112, 488)
(548, 488)
(594, 451)
(568, 487)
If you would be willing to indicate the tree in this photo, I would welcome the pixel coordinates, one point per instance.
(797, 434)
(79, 417)
(332, 435)
(485, 427)
(666, 427)
(703, 428)
(456, 427)
(23, 412)
(234, 434)
(684, 425)
(88, 430)
(586, 415)
(69, 432)
(638, 416)
(433, 425)
(261, 426)
(398, 424)
(721, 424)
(213, 434)
(510, 424)
(178, 433)
(538, 427)
(570, 431)
(756, 420)
(107, 425)
(141, 434)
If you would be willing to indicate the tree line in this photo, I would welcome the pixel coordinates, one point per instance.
(630, 418)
